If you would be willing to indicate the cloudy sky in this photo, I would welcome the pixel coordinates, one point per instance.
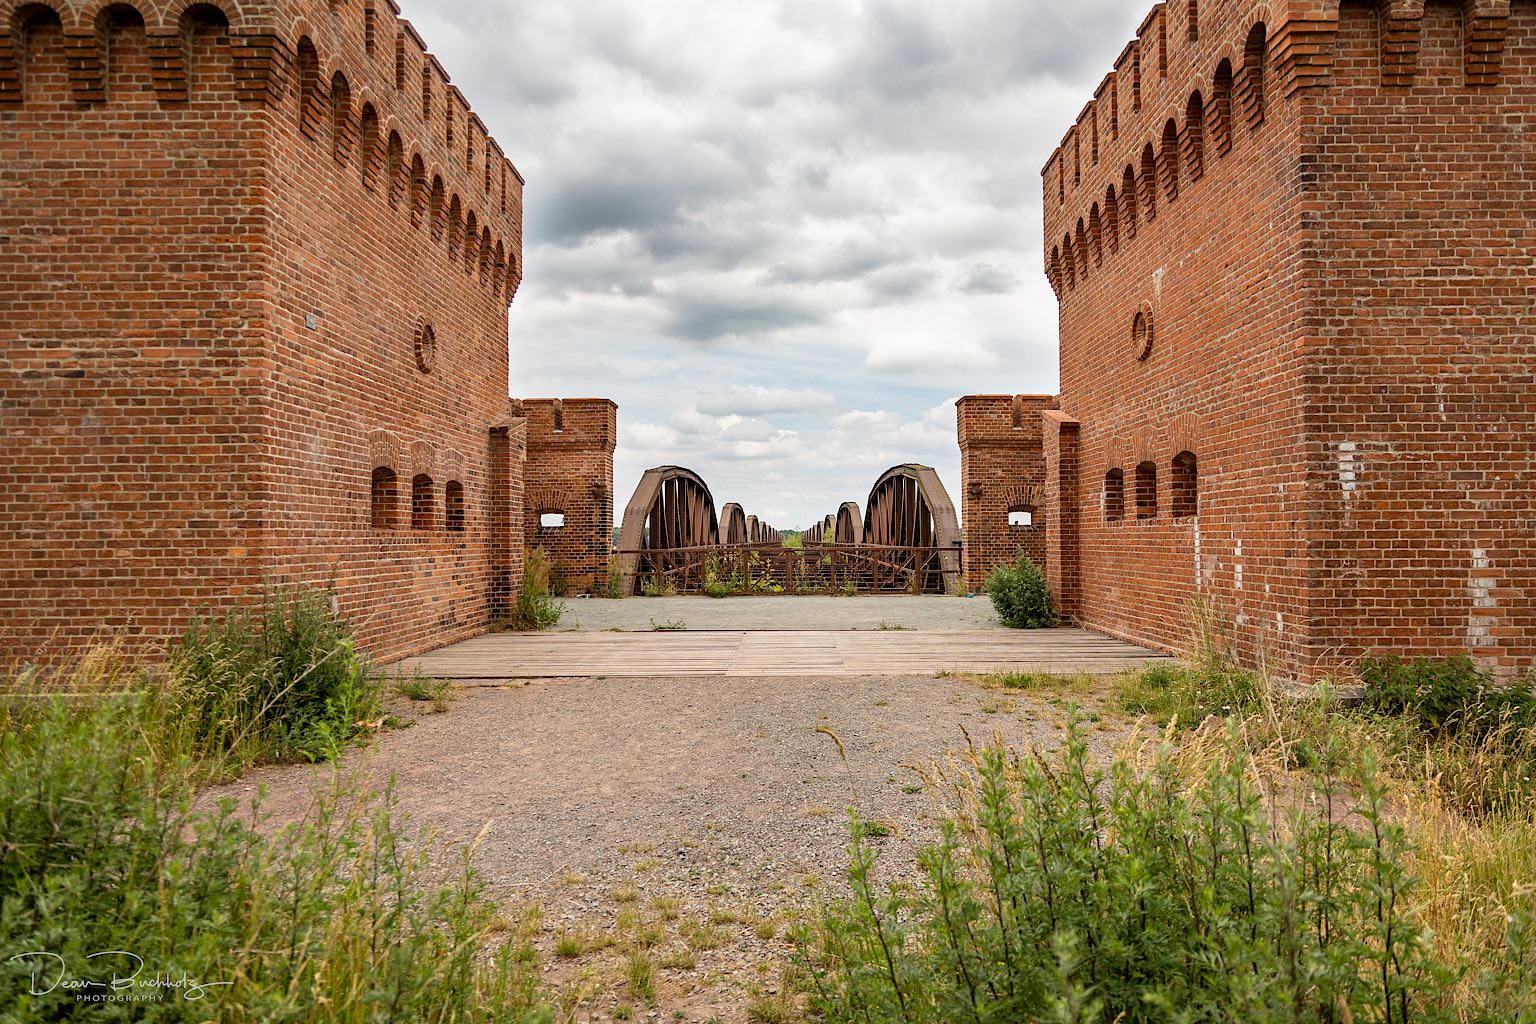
(784, 235)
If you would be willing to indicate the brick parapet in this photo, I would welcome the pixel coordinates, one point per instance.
(570, 472)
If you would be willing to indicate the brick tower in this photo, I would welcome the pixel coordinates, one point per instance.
(253, 322)
(1291, 242)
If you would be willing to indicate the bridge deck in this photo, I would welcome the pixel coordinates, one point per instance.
(500, 656)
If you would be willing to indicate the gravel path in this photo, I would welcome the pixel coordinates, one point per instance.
(697, 816)
(925, 612)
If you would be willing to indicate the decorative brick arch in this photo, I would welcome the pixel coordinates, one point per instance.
(385, 449)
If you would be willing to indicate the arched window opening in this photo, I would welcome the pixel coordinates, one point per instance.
(310, 118)
(1114, 496)
(341, 118)
(1146, 186)
(1186, 485)
(551, 520)
(1221, 108)
(394, 167)
(384, 501)
(1081, 257)
(1128, 202)
(1254, 59)
(1111, 220)
(1168, 160)
(419, 199)
(372, 152)
(1146, 489)
(204, 31)
(471, 242)
(455, 225)
(1194, 135)
(423, 503)
(1022, 517)
(1096, 235)
(453, 506)
(499, 271)
(438, 208)
(1068, 265)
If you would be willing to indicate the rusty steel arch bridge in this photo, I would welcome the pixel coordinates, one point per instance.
(673, 540)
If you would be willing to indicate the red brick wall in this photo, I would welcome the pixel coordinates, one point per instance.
(1421, 341)
(570, 471)
(1002, 468)
(374, 269)
(1216, 268)
(219, 266)
(1340, 309)
(132, 337)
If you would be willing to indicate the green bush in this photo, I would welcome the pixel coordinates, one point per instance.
(1184, 695)
(1444, 695)
(614, 589)
(340, 918)
(1021, 596)
(536, 607)
(281, 681)
(1162, 891)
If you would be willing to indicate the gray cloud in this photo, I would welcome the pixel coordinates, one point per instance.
(747, 219)
(987, 279)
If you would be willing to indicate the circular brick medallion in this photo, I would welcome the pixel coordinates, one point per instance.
(426, 347)
(1141, 331)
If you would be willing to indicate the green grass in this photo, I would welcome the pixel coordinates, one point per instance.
(437, 692)
(279, 681)
(341, 917)
(537, 607)
(1279, 860)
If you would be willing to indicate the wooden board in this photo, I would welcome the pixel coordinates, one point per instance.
(501, 656)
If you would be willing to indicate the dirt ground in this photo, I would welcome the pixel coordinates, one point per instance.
(693, 817)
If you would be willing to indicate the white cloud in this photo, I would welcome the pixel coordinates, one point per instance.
(748, 219)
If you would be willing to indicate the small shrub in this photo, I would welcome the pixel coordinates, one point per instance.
(1185, 695)
(1021, 596)
(536, 608)
(614, 588)
(1138, 892)
(335, 919)
(1445, 695)
(280, 682)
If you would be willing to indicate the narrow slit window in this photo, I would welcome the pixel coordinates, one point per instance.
(423, 503)
(384, 498)
(1114, 495)
(1146, 490)
(1186, 496)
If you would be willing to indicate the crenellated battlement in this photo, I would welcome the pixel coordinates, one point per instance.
(1200, 77)
(573, 422)
(352, 73)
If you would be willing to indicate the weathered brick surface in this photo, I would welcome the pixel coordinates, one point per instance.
(1002, 470)
(1314, 277)
(251, 261)
(570, 473)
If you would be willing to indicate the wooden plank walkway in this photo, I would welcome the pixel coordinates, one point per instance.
(501, 656)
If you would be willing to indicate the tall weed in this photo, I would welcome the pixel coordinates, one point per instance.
(281, 681)
(339, 918)
(1172, 885)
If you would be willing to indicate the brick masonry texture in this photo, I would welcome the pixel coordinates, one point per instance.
(1002, 471)
(253, 324)
(570, 469)
(1292, 247)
